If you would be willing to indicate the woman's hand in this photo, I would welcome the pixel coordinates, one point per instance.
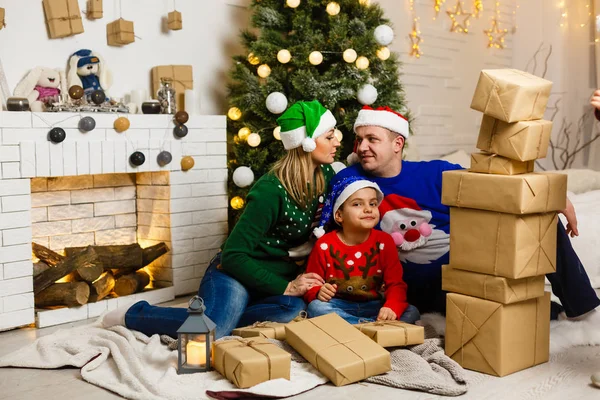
(386, 314)
(569, 213)
(303, 282)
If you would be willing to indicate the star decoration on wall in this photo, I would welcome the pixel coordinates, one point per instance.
(495, 35)
(478, 8)
(415, 40)
(459, 13)
(437, 6)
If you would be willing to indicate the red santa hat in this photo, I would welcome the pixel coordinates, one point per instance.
(393, 206)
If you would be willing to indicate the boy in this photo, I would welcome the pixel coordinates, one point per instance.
(356, 260)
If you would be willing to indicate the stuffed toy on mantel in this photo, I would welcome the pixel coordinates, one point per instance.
(88, 70)
(42, 87)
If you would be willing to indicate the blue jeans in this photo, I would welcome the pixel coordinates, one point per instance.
(228, 304)
(356, 312)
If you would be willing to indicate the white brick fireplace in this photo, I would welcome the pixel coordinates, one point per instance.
(84, 191)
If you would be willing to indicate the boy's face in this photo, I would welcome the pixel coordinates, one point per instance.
(359, 211)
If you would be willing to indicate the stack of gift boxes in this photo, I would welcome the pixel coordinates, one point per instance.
(503, 225)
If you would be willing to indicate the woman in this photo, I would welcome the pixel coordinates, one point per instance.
(255, 277)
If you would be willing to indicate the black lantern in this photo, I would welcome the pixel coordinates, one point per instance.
(196, 337)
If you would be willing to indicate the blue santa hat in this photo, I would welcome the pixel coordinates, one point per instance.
(341, 191)
(85, 57)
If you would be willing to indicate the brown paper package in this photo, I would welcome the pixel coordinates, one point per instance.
(511, 95)
(174, 21)
(182, 77)
(63, 18)
(2, 18)
(523, 141)
(393, 333)
(337, 349)
(494, 288)
(508, 245)
(489, 163)
(94, 9)
(270, 330)
(120, 32)
(513, 194)
(497, 339)
(248, 362)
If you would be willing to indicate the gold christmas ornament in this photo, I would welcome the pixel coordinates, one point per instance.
(333, 8)
(252, 59)
(187, 163)
(338, 135)
(350, 55)
(415, 40)
(237, 203)
(244, 132)
(365, 3)
(234, 113)
(315, 58)
(253, 139)
(495, 35)
(284, 56)
(264, 71)
(362, 62)
(121, 124)
(292, 3)
(459, 13)
(277, 133)
(383, 53)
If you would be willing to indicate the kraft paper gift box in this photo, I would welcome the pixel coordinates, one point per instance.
(488, 163)
(267, 329)
(497, 339)
(513, 194)
(494, 288)
(94, 9)
(174, 21)
(248, 362)
(508, 245)
(523, 141)
(337, 349)
(63, 18)
(120, 32)
(182, 77)
(393, 333)
(2, 21)
(511, 95)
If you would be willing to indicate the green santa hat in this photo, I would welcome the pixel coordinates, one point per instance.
(303, 122)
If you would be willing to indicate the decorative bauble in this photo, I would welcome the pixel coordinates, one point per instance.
(180, 131)
(264, 71)
(276, 102)
(333, 8)
(384, 35)
(338, 135)
(98, 97)
(137, 158)
(284, 56)
(86, 124)
(252, 59)
(277, 133)
(182, 117)
(234, 113)
(244, 132)
(383, 53)
(164, 158)
(365, 3)
(338, 166)
(367, 94)
(362, 62)
(243, 176)
(187, 163)
(121, 124)
(253, 139)
(76, 92)
(237, 203)
(350, 55)
(315, 58)
(292, 3)
(57, 135)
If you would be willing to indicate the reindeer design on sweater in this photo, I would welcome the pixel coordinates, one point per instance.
(363, 286)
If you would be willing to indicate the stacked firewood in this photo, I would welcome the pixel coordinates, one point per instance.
(91, 273)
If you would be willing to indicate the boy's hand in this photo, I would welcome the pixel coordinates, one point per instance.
(386, 314)
(327, 292)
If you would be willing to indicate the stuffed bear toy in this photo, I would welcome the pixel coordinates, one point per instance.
(42, 87)
(88, 70)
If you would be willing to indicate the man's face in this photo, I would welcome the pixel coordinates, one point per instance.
(378, 148)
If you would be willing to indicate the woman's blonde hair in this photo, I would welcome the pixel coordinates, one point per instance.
(297, 174)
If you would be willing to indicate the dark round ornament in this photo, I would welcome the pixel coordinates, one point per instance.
(182, 117)
(57, 135)
(87, 124)
(180, 131)
(151, 107)
(164, 158)
(76, 92)
(137, 158)
(98, 97)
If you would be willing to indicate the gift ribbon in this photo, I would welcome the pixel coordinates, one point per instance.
(396, 324)
(118, 31)
(263, 324)
(245, 343)
(69, 18)
(184, 83)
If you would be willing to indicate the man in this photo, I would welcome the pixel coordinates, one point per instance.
(413, 214)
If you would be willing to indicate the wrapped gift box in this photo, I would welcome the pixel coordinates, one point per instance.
(2, 21)
(182, 77)
(514, 194)
(63, 18)
(393, 333)
(248, 362)
(94, 9)
(270, 330)
(511, 95)
(488, 163)
(497, 339)
(337, 349)
(174, 21)
(521, 141)
(120, 32)
(508, 245)
(494, 288)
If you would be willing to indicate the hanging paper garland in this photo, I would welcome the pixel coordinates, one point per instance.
(137, 158)
(121, 124)
(57, 135)
(86, 124)
(164, 158)
(180, 131)
(187, 163)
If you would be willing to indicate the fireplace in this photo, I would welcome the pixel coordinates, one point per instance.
(83, 192)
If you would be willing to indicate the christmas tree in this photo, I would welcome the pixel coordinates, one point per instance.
(334, 52)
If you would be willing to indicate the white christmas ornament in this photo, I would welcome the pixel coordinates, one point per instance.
(292, 3)
(383, 53)
(367, 94)
(350, 55)
(277, 133)
(333, 8)
(315, 58)
(284, 56)
(362, 62)
(243, 176)
(276, 102)
(384, 35)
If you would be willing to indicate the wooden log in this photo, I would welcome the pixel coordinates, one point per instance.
(149, 254)
(66, 266)
(115, 256)
(102, 287)
(46, 255)
(88, 273)
(132, 283)
(71, 294)
(39, 267)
